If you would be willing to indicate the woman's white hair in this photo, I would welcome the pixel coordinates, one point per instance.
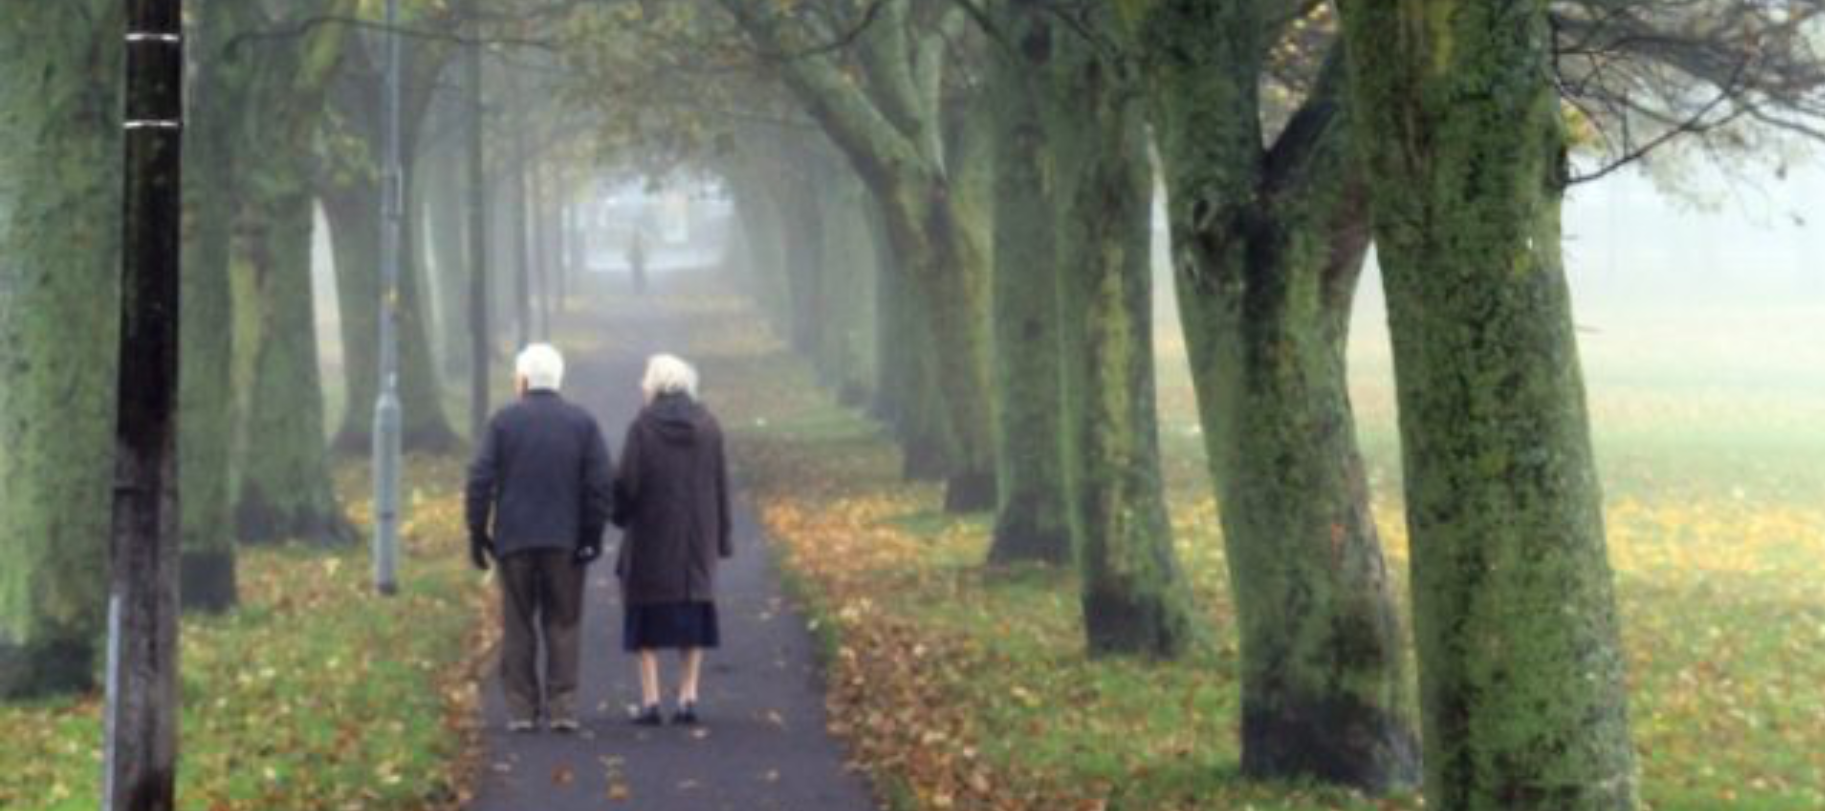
(541, 366)
(668, 374)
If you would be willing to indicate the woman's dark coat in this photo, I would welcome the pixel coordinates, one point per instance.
(672, 499)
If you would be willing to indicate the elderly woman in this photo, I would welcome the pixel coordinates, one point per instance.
(672, 500)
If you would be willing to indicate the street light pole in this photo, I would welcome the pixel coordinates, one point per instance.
(139, 770)
(386, 409)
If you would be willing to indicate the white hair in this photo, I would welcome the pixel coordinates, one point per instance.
(541, 366)
(668, 374)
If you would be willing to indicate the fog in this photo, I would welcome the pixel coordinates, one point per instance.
(1712, 282)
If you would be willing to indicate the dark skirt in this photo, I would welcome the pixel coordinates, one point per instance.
(666, 626)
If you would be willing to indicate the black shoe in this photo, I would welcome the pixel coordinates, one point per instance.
(649, 717)
(686, 715)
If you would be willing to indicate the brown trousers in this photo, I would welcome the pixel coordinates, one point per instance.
(541, 600)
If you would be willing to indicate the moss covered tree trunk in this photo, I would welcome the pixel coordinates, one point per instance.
(1268, 244)
(845, 343)
(352, 212)
(284, 487)
(59, 246)
(1521, 671)
(205, 393)
(1134, 595)
(1031, 521)
(950, 387)
(285, 491)
(446, 275)
(349, 186)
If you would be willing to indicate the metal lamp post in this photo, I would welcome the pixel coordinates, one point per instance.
(139, 770)
(387, 416)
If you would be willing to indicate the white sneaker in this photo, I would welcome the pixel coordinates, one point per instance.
(521, 725)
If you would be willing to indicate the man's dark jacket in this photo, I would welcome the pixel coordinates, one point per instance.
(672, 497)
(543, 475)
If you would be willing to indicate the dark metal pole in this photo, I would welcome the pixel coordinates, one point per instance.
(387, 416)
(481, 336)
(522, 292)
(141, 747)
(541, 248)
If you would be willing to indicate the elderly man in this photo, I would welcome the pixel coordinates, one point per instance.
(539, 497)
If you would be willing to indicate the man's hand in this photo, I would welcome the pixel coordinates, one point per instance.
(481, 548)
(588, 552)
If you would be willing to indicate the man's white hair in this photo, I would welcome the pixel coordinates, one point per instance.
(668, 374)
(541, 366)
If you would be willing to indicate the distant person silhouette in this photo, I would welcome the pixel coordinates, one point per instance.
(636, 262)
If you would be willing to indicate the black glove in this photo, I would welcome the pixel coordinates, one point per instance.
(481, 548)
(587, 552)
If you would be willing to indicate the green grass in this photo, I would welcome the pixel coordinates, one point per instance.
(313, 694)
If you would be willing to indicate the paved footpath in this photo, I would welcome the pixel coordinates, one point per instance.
(763, 746)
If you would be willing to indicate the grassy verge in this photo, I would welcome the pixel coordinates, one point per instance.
(958, 687)
(313, 694)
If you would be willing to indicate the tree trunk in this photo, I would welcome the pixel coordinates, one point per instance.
(442, 207)
(351, 201)
(59, 252)
(205, 394)
(945, 274)
(1268, 247)
(1135, 598)
(762, 235)
(353, 212)
(848, 260)
(1521, 671)
(1031, 522)
(908, 401)
(475, 190)
(796, 190)
(283, 463)
(285, 490)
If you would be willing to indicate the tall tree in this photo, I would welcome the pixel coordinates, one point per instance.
(1031, 520)
(59, 249)
(475, 190)
(284, 471)
(1269, 238)
(844, 350)
(349, 184)
(1521, 672)
(884, 112)
(225, 62)
(1135, 598)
